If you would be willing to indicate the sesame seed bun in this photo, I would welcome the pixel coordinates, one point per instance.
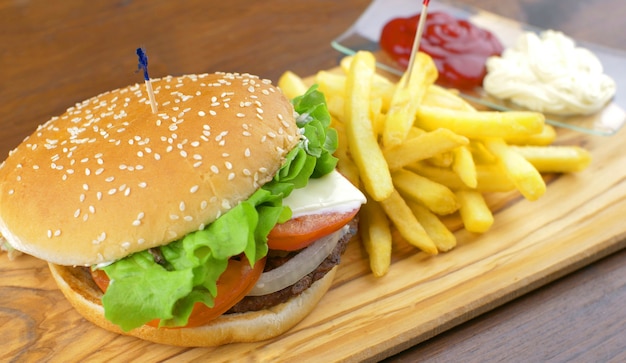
(85, 297)
(109, 178)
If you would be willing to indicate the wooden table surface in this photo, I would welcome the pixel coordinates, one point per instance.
(56, 53)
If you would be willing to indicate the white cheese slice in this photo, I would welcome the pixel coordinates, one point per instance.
(332, 193)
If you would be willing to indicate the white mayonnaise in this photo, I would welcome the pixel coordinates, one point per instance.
(330, 193)
(549, 73)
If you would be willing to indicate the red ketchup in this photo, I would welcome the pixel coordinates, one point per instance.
(458, 48)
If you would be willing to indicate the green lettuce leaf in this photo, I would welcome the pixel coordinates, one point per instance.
(142, 290)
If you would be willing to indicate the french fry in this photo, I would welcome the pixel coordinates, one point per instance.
(366, 153)
(405, 221)
(334, 83)
(474, 211)
(331, 83)
(480, 124)
(480, 153)
(437, 96)
(292, 85)
(381, 83)
(423, 147)
(336, 106)
(407, 99)
(555, 159)
(521, 172)
(489, 178)
(345, 164)
(544, 138)
(442, 160)
(436, 197)
(377, 115)
(376, 237)
(463, 165)
(443, 238)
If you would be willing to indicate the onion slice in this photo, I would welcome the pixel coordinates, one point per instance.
(298, 266)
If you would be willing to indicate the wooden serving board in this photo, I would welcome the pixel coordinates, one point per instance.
(577, 221)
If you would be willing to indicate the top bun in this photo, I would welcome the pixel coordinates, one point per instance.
(109, 178)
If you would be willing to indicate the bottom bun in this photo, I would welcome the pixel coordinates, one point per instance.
(79, 288)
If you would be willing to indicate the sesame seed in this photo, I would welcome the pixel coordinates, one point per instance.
(193, 189)
(181, 206)
(201, 113)
(188, 218)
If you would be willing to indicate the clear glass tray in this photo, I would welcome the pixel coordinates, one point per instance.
(365, 32)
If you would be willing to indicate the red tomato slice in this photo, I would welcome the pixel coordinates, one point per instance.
(297, 233)
(234, 283)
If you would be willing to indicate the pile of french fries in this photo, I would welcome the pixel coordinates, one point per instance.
(420, 152)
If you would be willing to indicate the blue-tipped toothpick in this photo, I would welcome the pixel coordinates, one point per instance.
(416, 41)
(143, 65)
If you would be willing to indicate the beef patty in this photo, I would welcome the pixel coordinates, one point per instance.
(254, 303)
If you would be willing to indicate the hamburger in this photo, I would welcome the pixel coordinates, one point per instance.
(217, 219)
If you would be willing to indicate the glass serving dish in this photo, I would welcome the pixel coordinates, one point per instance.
(364, 34)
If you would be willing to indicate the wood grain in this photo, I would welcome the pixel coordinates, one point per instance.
(55, 55)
